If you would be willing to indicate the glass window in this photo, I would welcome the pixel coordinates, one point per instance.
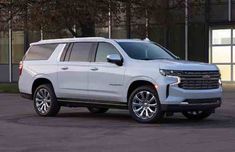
(233, 72)
(105, 49)
(233, 36)
(221, 54)
(3, 47)
(17, 46)
(81, 52)
(119, 32)
(144, 51)
(225, 71)
(40, 52)
(218, 10)
(102, 31)
(233, 54)
(221, 36)
(34, 36)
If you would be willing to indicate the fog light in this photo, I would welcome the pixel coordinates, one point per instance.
(220, 82)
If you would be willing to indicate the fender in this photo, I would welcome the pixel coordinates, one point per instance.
(129, 82)
(44, 76)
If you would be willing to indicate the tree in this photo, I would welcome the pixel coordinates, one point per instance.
(79, 17)
(145, 13)
(76, 16)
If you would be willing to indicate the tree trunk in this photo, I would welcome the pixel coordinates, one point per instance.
(75, 34)
(128, 18)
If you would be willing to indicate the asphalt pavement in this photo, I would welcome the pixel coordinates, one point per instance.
(77, 130)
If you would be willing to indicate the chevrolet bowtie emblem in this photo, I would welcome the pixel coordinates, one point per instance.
(206, 76)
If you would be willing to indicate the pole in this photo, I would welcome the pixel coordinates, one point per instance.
(10, 46)
(110, 21)
(41, 34)
(186, 29)
(146, 24)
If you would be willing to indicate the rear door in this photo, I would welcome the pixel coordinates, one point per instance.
(73, 70)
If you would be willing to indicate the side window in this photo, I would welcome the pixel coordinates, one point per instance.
(65, 52)
(81, 52)
(40, 52)
(105, 49)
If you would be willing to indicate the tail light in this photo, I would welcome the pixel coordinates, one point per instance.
(20, 68)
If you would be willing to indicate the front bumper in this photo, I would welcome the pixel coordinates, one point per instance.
(192, 104)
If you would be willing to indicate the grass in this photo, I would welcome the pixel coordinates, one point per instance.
(9, 88)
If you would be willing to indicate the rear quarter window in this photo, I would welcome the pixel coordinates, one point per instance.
(40, 52)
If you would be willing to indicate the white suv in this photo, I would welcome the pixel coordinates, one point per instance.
(100, 73)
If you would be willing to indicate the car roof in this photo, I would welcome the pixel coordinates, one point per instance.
(69, 40)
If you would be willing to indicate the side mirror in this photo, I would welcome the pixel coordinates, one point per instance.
(177, 58)
(115, 58)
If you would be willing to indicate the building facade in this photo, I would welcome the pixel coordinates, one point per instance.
(210, 38)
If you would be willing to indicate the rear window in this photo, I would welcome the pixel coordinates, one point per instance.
(40, 52)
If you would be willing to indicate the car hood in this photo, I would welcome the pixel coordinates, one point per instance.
(184, 65)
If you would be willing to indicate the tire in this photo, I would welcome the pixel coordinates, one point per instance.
(97, 110)
(45, 102)
(197, 115)
(144, 105)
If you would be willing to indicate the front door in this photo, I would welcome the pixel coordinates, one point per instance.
(105, 79)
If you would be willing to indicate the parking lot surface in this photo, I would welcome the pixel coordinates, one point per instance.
(77, 130)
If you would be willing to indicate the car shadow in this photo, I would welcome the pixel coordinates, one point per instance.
(124, 119)
(117, 119)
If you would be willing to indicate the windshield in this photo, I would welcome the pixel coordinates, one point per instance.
(145, 51)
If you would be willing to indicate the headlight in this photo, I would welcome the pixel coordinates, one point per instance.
(168, 72)
(171, 74)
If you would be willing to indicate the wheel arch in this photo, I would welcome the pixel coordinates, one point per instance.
(138, 83)
(40, 81)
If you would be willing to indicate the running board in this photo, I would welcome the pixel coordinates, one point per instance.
(88, 103)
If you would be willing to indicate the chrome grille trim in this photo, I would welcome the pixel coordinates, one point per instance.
(198, 80)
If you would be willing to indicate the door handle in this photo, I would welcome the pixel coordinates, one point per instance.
(65, 68)
(94, 69)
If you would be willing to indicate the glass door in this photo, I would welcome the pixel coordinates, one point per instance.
(222, 51)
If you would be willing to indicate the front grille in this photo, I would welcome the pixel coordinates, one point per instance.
(194, 80)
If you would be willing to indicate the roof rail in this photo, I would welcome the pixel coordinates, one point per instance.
(67, 40)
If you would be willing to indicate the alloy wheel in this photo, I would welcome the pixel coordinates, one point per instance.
(43, 101)
(144, 105)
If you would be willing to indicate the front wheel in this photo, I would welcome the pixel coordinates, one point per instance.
(144, 105)
(197, 115)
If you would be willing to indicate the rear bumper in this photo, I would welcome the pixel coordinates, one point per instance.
(189, 105)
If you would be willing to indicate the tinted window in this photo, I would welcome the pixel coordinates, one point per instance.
(65, 51)
(105, 49)
(40, 52)
(145, 51)
(81, 52)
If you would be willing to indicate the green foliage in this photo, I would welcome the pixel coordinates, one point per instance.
(8, 88)
(79, 17)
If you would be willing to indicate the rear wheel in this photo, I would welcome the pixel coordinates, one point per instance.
(97, 110)
(197, 115)
(144, 105)
(45, 102)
